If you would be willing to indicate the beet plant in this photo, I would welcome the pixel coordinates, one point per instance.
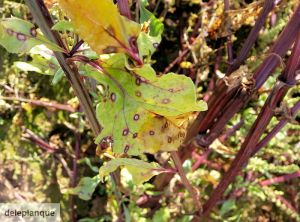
(177, 110)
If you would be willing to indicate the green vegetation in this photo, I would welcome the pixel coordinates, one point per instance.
(152, 110)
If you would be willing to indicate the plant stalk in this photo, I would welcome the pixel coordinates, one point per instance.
(43, 18)
(284, 82)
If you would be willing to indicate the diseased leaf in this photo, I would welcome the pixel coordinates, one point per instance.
(147, 44)
(85, 187)
(100, 24)
(19, 36)
(141, 112)
(141, 171)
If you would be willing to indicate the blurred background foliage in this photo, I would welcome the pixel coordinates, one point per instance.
(31, 172)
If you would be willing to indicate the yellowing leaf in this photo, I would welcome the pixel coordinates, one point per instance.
(100, 24)
(141, 171)
(140, 111)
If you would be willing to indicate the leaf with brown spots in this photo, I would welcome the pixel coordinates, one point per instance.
(19, 36)
(141, 112)
(100, 24)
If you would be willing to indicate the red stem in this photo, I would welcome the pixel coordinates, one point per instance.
(221, 106)
(280, 179)
(276, 129)
(53, 104)
(124, 8)
(28, 134)
(231, 131)
(258, 128)
(201, 159)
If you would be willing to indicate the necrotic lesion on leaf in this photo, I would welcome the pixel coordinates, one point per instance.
(19, 36)
(141, 112)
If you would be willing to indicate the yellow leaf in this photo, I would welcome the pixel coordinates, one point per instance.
(100, 24)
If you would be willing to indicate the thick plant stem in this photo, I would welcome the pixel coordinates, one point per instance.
(285, 81)
(222, 106)
(43, 18)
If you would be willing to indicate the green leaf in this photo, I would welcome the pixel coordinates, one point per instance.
(227, 206)
(63, 26)
(24, 66)
(156, 26)
(93, 168)
(147, 44)
(19, 36)
(58, 76)
(162, 215)
(142, 112)
(141, 171)
(126, 213)
(39, 65)
(85, 187)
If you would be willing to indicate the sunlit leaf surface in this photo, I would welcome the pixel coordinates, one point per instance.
(142, 112)
(17, 36)
(141, 171)
(100, 24)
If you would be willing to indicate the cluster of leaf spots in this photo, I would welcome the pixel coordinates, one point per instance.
(141, 112)
(18, 36)
(49, 182)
